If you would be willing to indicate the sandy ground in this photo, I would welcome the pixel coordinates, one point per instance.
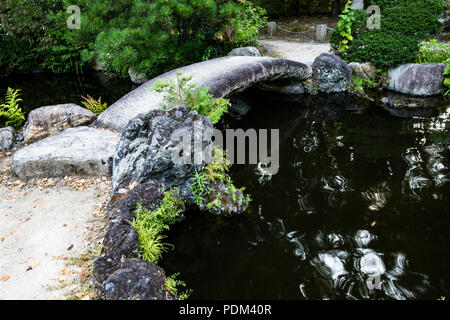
(297, 51)
(46, 225)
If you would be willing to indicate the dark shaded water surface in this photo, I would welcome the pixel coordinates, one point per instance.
(360, 195)
(43, 89)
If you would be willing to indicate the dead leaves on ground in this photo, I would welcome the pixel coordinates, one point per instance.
(4, 277)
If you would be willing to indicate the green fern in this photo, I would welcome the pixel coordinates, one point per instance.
(95, 106)
(150, 224)
(196, 98)
(172, 285)
(11, 109)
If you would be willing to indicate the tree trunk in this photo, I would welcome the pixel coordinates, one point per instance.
(335, 8)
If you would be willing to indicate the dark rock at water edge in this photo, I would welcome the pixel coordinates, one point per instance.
(145, 149)
(122, 204)
(331, 73)
(137, 280)
(404, 106)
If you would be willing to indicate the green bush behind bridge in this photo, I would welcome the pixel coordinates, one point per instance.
(150, 36)
(404, 24)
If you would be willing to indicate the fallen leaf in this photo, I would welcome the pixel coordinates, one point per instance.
(4, 278)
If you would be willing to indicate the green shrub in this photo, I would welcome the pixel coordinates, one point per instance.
(196, 98)
(447, 77)
(33, 34)
(359, 84)
(150, 224)
(214, 172)
(95, 106)
(154, 36)
(433, 52)
(11, 110)
(403, 25)
(172, 285)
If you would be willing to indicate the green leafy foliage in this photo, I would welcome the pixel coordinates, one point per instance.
(11, 110)
(447, 78)
(173, 285)
(403, 25)
(432, 51)
(150, 36)
(150, 224)
(344, 27)
(154, 36)
(95, 106)
(33, 35)
(360, 84)
(200, 188)
(196, 98)
(212, 173)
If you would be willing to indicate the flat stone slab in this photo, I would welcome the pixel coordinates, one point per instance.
(75, 151)
(223, 76)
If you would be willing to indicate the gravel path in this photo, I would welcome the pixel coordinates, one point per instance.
(44, 225)
(297, 51)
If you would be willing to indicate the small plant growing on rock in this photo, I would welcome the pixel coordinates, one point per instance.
(196, 98)
(11, 110)
(215, 172)
(360, 84)
(93, 105)
(172, 285)
(150, 224)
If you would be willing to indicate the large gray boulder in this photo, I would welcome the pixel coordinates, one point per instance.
(75, 151)
(417, 79)
(245, 51)
(7, 138)
(45, 121)
(331, 73)
(145, 149)
(366, 70)
(223, 76)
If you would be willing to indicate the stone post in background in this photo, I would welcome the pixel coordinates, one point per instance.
(357, 4)
(271, 28)
(321, 32)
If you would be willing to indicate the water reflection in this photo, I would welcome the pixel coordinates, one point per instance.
(358, 210)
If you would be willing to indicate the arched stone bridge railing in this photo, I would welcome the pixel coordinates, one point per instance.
(224, 76)
(90, 150)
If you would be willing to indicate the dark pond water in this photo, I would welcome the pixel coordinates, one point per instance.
(43, 89)
(359, 193)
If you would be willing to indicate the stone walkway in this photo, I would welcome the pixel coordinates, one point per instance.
(44, 225)
(297, 51)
